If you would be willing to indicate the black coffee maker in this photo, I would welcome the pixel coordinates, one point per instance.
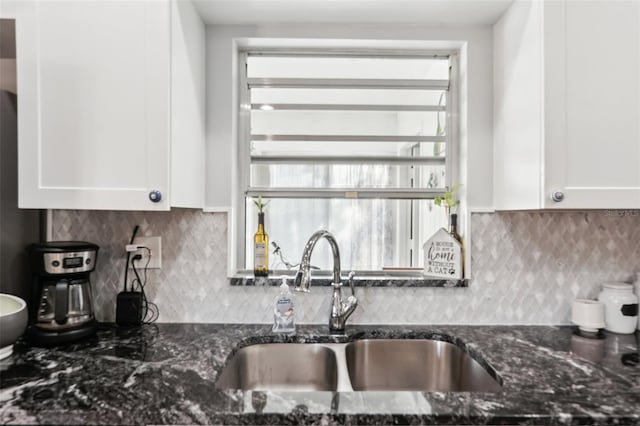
(61, 308)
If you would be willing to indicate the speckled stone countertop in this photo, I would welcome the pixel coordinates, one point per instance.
(166, 374)
(362, 281)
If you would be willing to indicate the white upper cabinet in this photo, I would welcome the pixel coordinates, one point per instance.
(95, 107)
(567, 105)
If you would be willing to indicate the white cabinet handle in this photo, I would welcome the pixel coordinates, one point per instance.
(557, 196)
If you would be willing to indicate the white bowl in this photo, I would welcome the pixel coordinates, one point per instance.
(588, 315)
(13, 322)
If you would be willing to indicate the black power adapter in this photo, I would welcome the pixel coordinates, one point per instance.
(129, 308)
(132, 307)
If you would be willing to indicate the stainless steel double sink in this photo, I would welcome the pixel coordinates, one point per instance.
(361, 365)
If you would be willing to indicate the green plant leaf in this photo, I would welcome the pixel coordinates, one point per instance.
(260, 204)
(448, 200)
(454, 188)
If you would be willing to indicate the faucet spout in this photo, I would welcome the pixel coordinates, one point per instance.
(303, 277)
(340, 310)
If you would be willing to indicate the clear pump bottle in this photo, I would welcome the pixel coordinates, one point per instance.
(283, 311)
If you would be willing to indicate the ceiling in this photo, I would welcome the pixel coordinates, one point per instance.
(430, 12)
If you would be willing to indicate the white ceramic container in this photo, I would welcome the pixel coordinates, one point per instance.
(588, 315)
(620, 307)
(13, 322)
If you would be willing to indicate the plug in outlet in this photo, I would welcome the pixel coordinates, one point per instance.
(155, 245)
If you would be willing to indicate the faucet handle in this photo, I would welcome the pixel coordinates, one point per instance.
(349, 306)
(351, 275)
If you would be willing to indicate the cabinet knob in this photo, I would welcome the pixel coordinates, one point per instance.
(155, 196)
(557, 196)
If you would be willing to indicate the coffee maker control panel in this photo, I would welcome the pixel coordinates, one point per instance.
(66, 263)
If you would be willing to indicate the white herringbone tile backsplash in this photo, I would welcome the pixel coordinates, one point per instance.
(527, 268)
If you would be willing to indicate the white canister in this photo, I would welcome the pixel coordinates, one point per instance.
(588, 315)
(620, 307)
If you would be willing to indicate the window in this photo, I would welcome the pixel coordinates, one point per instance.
(355, 143)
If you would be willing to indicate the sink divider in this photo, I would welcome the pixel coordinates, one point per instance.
(339, 350)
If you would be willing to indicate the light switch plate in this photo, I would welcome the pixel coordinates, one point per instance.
(155, 245)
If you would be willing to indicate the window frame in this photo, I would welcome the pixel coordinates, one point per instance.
(243, 148)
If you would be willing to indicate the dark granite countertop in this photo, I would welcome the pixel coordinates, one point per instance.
(166, 374)
(381, 280)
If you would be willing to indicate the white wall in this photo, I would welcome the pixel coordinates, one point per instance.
(221, 89)
(8, 8)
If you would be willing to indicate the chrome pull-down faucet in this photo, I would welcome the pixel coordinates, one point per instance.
(340, 309)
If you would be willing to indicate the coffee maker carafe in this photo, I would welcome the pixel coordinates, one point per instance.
(61, 308)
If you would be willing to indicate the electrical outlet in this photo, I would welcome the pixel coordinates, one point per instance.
(155, 245)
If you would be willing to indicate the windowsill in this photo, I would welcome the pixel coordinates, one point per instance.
(370, 279)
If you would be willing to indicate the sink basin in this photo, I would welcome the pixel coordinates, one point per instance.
(281, 366)
(415, 365)
(362, 365)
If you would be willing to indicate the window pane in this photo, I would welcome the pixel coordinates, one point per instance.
(347, 176)
(384, 123)
(347, 96)
(344, 148)
(372, 234)
(347, 67)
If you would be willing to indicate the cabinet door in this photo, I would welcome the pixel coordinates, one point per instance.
(592, 105)
(93, 104)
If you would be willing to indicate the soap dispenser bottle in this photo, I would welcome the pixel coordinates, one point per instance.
(283, 311)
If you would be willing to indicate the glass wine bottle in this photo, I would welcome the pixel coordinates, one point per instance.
(261, 249)
(453, 228)
(453, 231)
